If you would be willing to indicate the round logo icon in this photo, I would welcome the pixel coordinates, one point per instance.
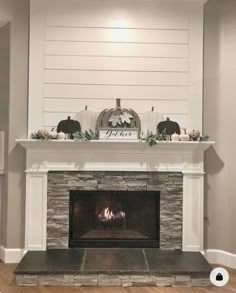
(219, 277)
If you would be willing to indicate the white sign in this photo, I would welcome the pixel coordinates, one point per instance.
(118, 133)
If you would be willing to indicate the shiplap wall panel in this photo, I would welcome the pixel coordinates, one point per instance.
(76, 105)
(96, 51)
(116, 49)
(116, 35)
(94, 65)
(116, 63)
(110, 91)
(115, 78)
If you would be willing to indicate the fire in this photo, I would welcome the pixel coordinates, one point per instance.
(107, 215)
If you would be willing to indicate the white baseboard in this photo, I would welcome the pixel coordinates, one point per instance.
(220, 257)
(11, 255)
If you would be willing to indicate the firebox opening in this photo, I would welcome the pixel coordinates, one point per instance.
(114, 219)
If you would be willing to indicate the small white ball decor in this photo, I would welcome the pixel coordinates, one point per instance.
(53, 134)
(61, 135)
(184, 136)
(175, 137)
(194, 134)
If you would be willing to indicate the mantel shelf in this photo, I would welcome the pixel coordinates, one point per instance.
(108, 145)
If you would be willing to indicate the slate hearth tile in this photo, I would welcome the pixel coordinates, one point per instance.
(56, 261)
(176, 262)
(114, 260)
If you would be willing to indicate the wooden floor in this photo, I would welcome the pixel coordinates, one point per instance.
(7, 286)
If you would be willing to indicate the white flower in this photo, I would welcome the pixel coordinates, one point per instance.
(126, 117)
(115, 120)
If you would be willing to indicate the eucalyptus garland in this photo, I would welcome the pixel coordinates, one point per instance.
(87, 135)
(150, 138)
(42, 134)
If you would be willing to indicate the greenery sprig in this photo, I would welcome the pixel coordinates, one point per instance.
(152, 139)
(86, 135)
(201, 138)
(42, 134)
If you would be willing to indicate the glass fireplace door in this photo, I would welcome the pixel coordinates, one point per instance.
(114, 219)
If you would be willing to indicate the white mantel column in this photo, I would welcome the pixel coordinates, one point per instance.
(36, 210)
(193, 211)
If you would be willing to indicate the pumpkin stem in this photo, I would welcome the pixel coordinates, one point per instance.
(117, 103)
(168, 119)
(86, 108)
(68, 117)
(152, 108)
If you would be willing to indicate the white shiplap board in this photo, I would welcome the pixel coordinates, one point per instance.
(113, 91)
(90, 53)
(75, 105)
(118, 63)
(116, 35)
(60, 48)
(110, 77)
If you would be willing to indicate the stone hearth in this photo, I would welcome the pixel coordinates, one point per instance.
(113, 267)
(169, 184)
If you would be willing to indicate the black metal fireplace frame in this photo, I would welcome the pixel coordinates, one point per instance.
(117, 243)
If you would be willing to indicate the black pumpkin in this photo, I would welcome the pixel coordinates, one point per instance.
(169, 127)
(69, 126)
(118, 118)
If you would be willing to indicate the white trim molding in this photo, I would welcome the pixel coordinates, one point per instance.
(220, 257)
(1, 152)
(11, 255)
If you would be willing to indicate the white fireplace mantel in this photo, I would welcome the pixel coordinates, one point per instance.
(44, 156)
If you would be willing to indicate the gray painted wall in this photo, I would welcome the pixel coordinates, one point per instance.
(220, 123)
(4, 105)
(13, 198)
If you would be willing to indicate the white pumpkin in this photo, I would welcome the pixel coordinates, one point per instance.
(61, 135)
(175, 137)
(194, 134)
(53, 133)
(184, 136)
(87, 119)
(150, 120)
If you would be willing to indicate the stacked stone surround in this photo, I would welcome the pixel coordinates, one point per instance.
(104, 280)
(170, 186)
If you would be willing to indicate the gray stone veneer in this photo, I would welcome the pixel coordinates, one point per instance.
(101, 280)
(170, 186)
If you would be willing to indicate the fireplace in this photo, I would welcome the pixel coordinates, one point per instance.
(114, 209)
(114, 218)
(54, 168)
